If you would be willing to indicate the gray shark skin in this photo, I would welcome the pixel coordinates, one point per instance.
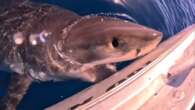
(43, 42)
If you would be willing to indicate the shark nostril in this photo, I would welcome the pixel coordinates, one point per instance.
(138, 51)
(115, 42)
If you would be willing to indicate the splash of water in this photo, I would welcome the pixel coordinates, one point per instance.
(123, 16)
(168, 16)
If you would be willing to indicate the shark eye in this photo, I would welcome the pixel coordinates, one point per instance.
(115, 42)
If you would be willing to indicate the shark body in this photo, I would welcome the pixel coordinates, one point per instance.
(43, 42)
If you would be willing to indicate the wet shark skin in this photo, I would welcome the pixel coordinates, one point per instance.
(108, 40)
(43, 42)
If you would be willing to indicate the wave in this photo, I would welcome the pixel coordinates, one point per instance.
(168, 16)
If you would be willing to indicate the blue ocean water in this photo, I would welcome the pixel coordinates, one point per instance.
(167, 16)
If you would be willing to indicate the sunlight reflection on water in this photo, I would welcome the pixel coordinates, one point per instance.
(168, 16)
